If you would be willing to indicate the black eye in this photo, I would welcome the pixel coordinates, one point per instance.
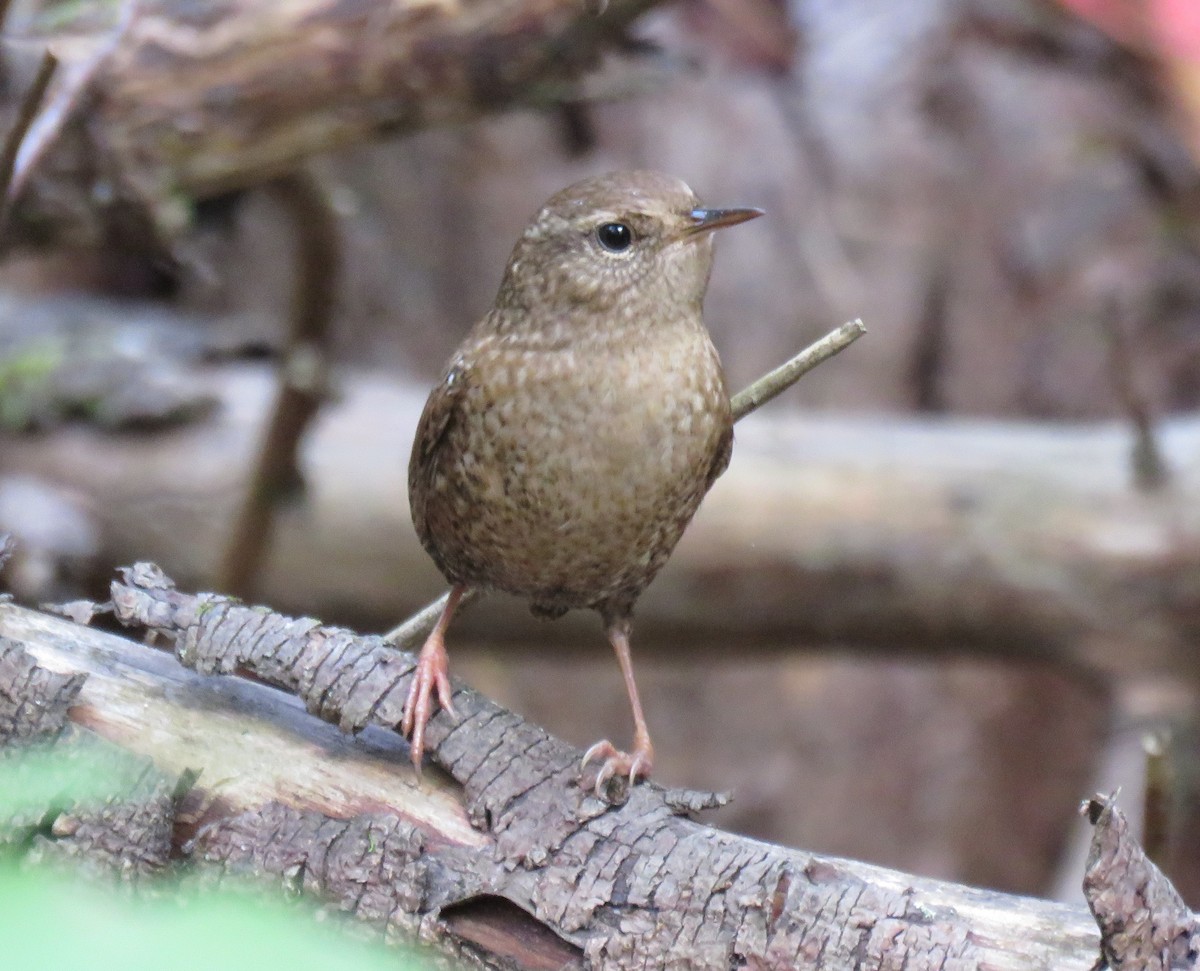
(615, 236)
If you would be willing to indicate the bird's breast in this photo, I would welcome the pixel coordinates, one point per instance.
(572, 471)
(635, 409)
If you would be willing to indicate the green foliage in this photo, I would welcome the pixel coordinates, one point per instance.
(53, 919)
(50, 921)
(38, 779)
(24, 377)
(76, 16)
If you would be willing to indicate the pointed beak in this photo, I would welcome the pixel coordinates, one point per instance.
(705, 220)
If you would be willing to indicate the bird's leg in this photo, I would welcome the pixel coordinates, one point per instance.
(636, 764)
(432, 674)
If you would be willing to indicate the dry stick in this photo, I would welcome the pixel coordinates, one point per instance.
(303, 377)
(36, 130)
(1160, 786)
(409, 631)
(25, 117)
(774, 383)
(747, 400)
(67, 100)
(1149, 467)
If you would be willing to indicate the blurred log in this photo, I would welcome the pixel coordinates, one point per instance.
(177, 101)
(544, 874)
(1007, 539)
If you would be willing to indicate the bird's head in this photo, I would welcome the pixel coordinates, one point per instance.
(627, 243)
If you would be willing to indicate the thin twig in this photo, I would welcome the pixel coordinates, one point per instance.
(747, 400)
(25, 116)
(1157, 798)
(1150, 469)
(303, 379)
(927, 362)
(783, 377)
(407, 633)
(69, 96)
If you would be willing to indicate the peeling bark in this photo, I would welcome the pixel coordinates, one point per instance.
(628, 884)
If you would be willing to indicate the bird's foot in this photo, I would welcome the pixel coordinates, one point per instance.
(432, 675)
(631, 765)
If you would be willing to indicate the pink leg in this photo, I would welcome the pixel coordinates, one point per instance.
(431, 675)
(636, 764)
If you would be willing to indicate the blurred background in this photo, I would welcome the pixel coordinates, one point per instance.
(1005, 191)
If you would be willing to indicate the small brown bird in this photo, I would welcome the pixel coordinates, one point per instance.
(578, 426)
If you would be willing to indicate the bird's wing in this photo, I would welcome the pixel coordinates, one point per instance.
(441, 411)
(721, 458)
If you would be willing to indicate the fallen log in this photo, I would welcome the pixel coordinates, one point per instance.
(510, 858)
(926, 536)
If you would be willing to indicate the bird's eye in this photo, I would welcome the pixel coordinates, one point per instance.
(615, 237)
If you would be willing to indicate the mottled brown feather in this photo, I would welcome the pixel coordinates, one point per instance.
(439, 413)
(584, 418)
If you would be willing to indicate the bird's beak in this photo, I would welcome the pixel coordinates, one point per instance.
(705, 220)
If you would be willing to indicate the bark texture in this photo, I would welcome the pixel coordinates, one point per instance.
(33, 701)
(1144, 924)
(548, 875)
(123, 826)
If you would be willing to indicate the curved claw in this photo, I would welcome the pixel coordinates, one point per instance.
(603, 748)
(639, 767)
(635, 765)
(607, 771)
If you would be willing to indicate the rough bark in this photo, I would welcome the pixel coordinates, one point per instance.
(548, 875)
(1144, 924)
(1008, 539)
(123, 825)
(176, 101)
(33, 701)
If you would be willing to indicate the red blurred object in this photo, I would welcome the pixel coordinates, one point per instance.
(1168, 31)
(1178, 23)
(1167, 28)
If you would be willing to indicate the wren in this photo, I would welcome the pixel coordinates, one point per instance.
(578, 426)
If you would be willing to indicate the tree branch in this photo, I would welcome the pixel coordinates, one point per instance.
(27, 112)
(773, 384)
(1143, 921)
(985, 538)
(196, 102)
(303, 377)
